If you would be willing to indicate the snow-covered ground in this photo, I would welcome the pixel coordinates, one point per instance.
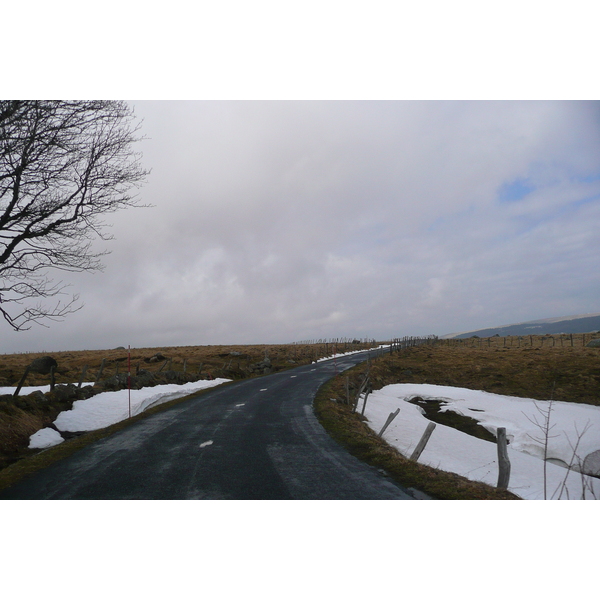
(340, 354)
(108, 408)
(524, 420)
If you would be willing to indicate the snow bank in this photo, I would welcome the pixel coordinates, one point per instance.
(108, 408)
(454, 451)
(348, 353)
(45, 438)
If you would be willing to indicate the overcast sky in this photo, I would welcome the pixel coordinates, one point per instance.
(280, 221)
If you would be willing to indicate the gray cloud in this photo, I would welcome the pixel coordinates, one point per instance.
(281, 221)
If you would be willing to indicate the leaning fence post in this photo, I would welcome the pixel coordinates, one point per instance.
(503, 461)
(18, 389)
(389, 420)
(362, 412)
(362, 387)
(423, 441)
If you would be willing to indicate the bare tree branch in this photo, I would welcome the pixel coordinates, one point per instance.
(63, 165)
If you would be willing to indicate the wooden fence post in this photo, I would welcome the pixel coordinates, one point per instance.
(18, 388)
(392, 416)
(101, 369)
(503, 461)
(367, 392)
(52, 377)
(423, 441)
(362, 387)
(83, 372)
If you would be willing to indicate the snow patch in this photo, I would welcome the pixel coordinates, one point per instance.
(45, 438)
(457, 452)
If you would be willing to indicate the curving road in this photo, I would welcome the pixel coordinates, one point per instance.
(256, 439)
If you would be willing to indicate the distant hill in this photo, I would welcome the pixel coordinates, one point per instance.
(574, 324)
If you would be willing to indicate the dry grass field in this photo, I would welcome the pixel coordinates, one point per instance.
(537, 368)
(217, 361)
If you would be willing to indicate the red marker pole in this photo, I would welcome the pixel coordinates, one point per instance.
(129, 377)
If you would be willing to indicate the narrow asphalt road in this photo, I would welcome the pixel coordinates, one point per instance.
(256, 439)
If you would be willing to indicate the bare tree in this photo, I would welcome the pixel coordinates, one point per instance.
(63, 165)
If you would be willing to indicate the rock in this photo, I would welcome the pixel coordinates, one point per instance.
(37, 396)
(43, 365)
(594, 344)
(591, 464)
(85, 392)
(156, 358)
(64, 392)
(142, 379)
(116, 382)
(263, 366)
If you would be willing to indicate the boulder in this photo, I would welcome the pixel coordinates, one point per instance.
(591, 464)
(38, 397)
(263, 366)
(142, 379)
(594, 344)
(116, 382)
(85, 392)
(64, 392)
(43, 365)
(156, 358)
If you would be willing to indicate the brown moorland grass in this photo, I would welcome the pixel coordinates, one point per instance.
(570, 373)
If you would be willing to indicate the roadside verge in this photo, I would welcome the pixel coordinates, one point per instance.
(351, 432)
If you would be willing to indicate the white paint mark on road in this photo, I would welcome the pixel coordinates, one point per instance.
(203, 444)
(264, 390)
(242, 404)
